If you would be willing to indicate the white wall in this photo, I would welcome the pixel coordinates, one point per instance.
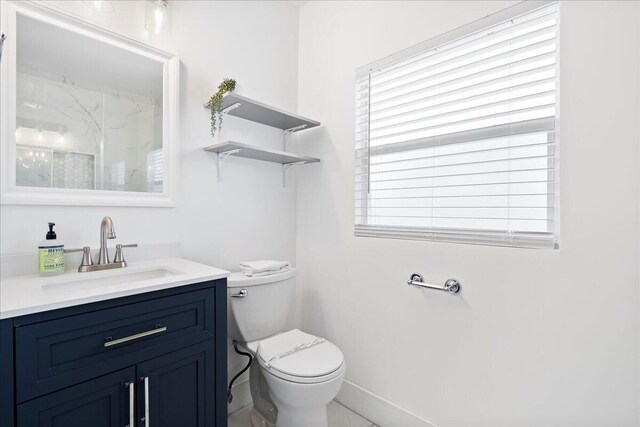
(536, 337)
(249, 215)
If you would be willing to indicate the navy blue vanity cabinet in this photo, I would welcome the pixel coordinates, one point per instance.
(101, 402)
(157, 359)
(169, 383)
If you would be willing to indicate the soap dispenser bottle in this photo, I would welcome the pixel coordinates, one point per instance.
(51, 254)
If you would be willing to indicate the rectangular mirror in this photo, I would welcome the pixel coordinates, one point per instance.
(88, 116)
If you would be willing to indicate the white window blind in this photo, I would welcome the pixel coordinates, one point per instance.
(118, 175)
(155, 171)
(457, 142)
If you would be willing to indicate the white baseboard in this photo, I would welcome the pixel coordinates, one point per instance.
(377, 409)
(371, 406)
(241, 396)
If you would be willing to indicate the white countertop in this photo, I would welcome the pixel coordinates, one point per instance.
(22, 295)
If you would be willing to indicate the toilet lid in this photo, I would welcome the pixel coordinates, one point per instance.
(316, 361)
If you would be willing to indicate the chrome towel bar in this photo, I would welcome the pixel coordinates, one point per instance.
(452, 285)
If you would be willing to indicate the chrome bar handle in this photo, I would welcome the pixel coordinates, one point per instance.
(452, 285)
(132, 403)
(109, 342)
(146, 402)
(243, 293)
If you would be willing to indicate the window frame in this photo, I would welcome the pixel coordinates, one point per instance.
(537, 240)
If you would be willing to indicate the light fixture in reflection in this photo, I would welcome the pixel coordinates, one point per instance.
(32, 105)
(34, 158)
(100, 6)
(157, 18)
(44, 134)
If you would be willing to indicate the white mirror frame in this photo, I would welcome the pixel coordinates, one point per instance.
(13, 194)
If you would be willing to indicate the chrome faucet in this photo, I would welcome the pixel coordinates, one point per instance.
(106, 232)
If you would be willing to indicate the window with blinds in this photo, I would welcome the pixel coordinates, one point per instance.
(457, 142)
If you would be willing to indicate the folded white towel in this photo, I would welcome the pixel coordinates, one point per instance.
(283, 345)
(257, 268)
(266, 273)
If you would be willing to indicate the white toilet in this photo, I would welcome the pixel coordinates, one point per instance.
(290, 390)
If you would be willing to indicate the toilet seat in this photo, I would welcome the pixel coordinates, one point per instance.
(319, 363)
(304, 380)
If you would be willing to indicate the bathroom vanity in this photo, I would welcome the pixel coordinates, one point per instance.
(144, 347)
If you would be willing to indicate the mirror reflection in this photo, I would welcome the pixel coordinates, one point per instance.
(88, 113)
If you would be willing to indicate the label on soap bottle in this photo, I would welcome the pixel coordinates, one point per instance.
(51, 259)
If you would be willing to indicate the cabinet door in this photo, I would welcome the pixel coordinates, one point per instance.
(101, 402)
(177, 389)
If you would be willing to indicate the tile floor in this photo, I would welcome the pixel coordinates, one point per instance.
(339, 416)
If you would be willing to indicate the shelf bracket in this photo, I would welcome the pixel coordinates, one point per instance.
(221, 157)
(288, 132)
(285, 168)
(230, 108)
(295, 128)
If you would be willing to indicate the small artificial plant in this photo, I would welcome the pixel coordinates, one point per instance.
(215, 104)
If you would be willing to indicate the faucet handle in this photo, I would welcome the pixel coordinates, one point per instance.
(87, 260)
(86, 257)
(119, 258)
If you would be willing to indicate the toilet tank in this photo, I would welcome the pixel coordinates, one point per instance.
(265, 308)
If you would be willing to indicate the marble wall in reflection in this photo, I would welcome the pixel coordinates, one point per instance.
(98, 138)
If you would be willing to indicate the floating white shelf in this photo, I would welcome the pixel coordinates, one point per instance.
(231, 148)
(249, 109)
(259, 153)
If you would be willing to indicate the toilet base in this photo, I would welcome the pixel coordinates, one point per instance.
(279, 402)
(315, 416)
(257, 420)
(303, 404)
(264, 411)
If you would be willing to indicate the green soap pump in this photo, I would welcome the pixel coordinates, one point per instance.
(51, 254)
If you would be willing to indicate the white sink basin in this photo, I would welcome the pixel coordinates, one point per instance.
(104, 279)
